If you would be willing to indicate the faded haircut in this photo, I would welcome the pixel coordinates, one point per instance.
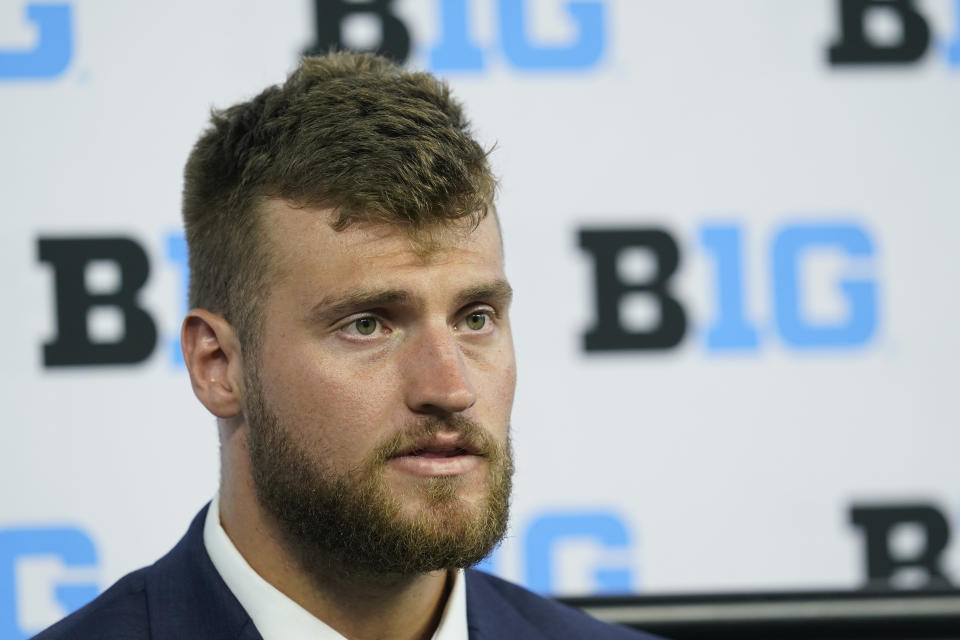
(353, 133)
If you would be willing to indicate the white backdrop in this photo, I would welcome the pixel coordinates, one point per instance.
(813, 205)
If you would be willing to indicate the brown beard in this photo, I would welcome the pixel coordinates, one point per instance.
(352, 524)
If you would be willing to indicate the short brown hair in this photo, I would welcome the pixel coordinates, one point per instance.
(350, 132)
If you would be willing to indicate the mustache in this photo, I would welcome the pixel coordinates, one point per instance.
(470, 436)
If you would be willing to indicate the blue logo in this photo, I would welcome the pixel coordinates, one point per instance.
(456, 50)
(792, 247)
(551, 537)
(177, 254)
(53, 49)
(71, 546)
(952, 49)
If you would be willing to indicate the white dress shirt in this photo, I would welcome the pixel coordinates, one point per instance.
(277, 617)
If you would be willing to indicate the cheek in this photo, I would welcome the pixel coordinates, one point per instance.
(329, 407)
(502, 385)
(509, 385)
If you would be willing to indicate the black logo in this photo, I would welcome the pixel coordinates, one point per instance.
(878, 523)
(73, 345)
(331, 15)
(855, 47)
(609, 334)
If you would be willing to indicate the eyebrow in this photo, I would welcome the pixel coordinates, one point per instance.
(498, 291)
(339, 305)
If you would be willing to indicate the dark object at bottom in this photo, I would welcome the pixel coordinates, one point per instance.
(877, 615)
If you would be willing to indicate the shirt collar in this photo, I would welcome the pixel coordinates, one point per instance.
(276, 616)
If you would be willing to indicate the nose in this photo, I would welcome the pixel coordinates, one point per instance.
(437, 376)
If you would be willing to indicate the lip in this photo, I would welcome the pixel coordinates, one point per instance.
(442, 454)
(436, 467)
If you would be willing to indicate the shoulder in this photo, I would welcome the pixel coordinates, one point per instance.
(118, 613)
(180, 596)
(550, 618)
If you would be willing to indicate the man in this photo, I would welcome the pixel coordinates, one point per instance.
(350, 332)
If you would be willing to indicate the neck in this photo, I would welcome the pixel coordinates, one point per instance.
(356, 605)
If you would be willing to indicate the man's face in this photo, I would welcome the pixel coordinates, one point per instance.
(378, 405)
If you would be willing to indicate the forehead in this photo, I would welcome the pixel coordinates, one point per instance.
(298, 237)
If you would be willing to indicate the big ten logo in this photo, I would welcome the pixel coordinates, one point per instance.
(97, 286)
(517, 33)
(574, 552)
(821, 287)
(45, 573)
(891, 32)
(905, 545)
(37, 44)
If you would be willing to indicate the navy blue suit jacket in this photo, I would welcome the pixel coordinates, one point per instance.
(183, 596)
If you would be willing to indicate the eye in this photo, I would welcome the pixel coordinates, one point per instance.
(366, 325)
(476, 320)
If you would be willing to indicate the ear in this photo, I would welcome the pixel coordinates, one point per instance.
(212, 354)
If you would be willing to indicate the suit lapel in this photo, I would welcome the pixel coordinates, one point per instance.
(187, 598)
(491, 617)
